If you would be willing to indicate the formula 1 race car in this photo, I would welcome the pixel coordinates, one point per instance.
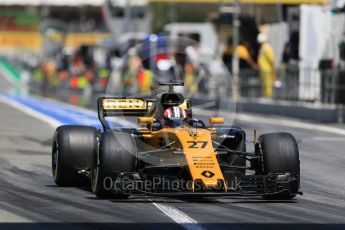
(172, 153)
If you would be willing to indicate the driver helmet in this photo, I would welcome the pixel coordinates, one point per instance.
(174, 116)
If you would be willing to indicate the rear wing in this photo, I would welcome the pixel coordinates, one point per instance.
(119, 106)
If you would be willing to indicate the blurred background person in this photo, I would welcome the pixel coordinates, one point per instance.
(245, 57)
(191, 67)
(266, 65)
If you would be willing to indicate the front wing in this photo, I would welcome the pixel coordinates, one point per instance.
(248, 185)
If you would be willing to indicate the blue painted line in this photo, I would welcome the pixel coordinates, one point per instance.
(63, 113)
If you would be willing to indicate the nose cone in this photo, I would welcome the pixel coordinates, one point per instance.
(201, 157)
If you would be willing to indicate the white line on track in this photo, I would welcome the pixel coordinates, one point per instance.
(289, 123)
(26, 109)
(179, 217)
(91, 112)
(9, 217)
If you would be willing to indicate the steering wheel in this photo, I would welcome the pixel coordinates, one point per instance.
(197, 123)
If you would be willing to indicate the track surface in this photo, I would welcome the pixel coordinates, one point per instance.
(28, 193)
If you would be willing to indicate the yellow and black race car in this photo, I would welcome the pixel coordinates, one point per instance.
(172, 153)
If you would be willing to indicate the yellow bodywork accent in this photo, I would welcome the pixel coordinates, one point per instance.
(201, 161)
(216, 120)
(148, 120)
(196, 144)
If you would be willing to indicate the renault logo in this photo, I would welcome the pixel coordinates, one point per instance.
(207, 174)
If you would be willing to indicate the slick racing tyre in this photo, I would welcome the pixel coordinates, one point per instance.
(117, 153)
(279, 155)
(74, 149)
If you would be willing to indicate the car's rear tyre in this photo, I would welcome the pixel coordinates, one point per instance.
(279, 154)
(117, 153)
(74, 148)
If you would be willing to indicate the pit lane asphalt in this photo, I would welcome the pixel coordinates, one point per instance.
(30, 199)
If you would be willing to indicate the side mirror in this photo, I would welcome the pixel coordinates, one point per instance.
(216, 120)
(146, 120)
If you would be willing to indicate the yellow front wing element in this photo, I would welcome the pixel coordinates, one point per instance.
(198, 150)
(201, 158)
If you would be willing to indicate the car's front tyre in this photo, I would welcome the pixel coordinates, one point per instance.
(279, 154)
